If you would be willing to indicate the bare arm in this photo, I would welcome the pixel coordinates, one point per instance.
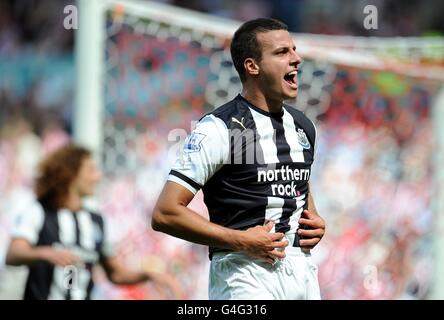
(120, 275)
(172, 216)
(21, 252)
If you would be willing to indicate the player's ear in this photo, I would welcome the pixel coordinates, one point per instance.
(251, 67)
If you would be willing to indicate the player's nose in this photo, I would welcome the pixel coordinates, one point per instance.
(295, 58)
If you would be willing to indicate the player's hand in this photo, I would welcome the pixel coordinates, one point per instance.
(260, 243)
(59, 257)
(314, 232)
(169, 283)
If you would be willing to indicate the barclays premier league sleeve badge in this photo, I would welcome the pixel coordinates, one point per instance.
(193, 143)
(302, 139)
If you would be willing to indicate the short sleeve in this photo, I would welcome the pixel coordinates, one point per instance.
(28, 223)
(204, 152)
(109, 239)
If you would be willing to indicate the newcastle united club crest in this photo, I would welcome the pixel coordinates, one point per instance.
(302, 139)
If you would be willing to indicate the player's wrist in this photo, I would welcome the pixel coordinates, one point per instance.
(237, 240)
(42, 253)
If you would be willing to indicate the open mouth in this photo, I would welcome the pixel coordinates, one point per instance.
(291, 78)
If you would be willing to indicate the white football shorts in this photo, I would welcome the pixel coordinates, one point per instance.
(237, 276)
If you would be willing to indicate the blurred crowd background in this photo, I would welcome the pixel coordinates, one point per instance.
(398, 18)
(372, 175)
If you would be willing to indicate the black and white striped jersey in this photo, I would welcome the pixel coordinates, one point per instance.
(252, 166)
(84, 233)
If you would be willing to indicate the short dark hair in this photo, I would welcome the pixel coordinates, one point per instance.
(244, 43)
